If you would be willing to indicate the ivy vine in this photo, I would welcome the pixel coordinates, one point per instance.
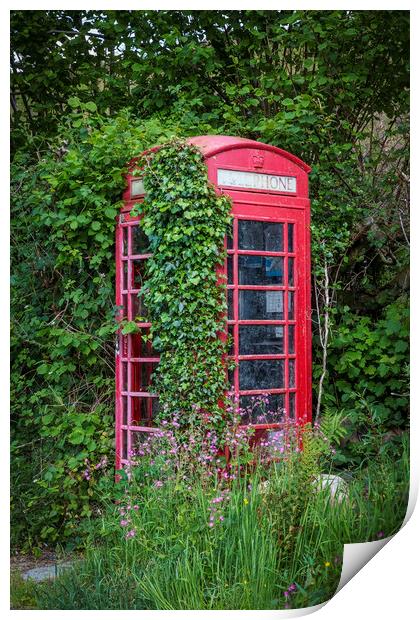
(186, 222)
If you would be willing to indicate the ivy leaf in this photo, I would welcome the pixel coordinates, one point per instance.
(91, 106)
(74, 102)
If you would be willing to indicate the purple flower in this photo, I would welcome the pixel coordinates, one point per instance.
(131, 533)
(124, 522)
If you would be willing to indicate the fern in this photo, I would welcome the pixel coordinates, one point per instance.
(332, 425)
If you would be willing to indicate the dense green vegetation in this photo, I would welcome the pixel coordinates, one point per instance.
(186, 223)
(267, 541)
(91, 89)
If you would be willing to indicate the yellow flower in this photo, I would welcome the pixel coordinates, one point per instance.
(327, 564)
(246, 501)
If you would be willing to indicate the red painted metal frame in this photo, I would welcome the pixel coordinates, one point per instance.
(262, 205)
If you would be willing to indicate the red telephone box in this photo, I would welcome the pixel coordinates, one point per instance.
(268, 289)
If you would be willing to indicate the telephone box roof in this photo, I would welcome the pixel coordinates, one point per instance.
(212, 144)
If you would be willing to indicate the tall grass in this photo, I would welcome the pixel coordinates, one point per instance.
(276, 542)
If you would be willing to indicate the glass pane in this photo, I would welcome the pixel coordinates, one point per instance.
(231, 378)
(291, 275)
(139, 241)
(124, 306)
(291, 339)
(124, 445)
(262, 408)
(138, 309)
(291, 305)
(292, 373)
(229, 239)
(135, 307)
(124, 410)
(140, 347)
(261, 374)
(230, 303)
(261, 305)
(125, 275)
(260, 339)
(155, 407)
(260, 270)
(230, 269)
(142, 375)
(292, 412)
(290, 235)
(141, 410)
(124, 377)
(125, 240)
(264, 236)
(231, 338)
(137, 273)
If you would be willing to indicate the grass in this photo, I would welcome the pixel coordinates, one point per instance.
(22, 593)
(279, 543)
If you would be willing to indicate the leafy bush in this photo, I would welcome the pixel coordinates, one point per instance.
(63, 322)
(368, 380)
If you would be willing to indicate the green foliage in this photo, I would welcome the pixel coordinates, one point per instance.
(186, 223)
(91, 89)
(249, 558)
(369, 377)
(23, 594)
(63, 322)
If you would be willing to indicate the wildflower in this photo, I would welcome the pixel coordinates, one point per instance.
(123, 522)
(131, 533)
(158, 483)
(135, 507)
(286, 594)
(292, 587)
(327, 564)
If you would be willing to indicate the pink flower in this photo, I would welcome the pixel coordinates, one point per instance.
(158, 483)
(131, 533)
(123, 522)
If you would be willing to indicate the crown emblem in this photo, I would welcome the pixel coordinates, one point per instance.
(258, 160)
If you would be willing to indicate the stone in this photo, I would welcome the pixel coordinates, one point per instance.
(47, 572)
(339, 490)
